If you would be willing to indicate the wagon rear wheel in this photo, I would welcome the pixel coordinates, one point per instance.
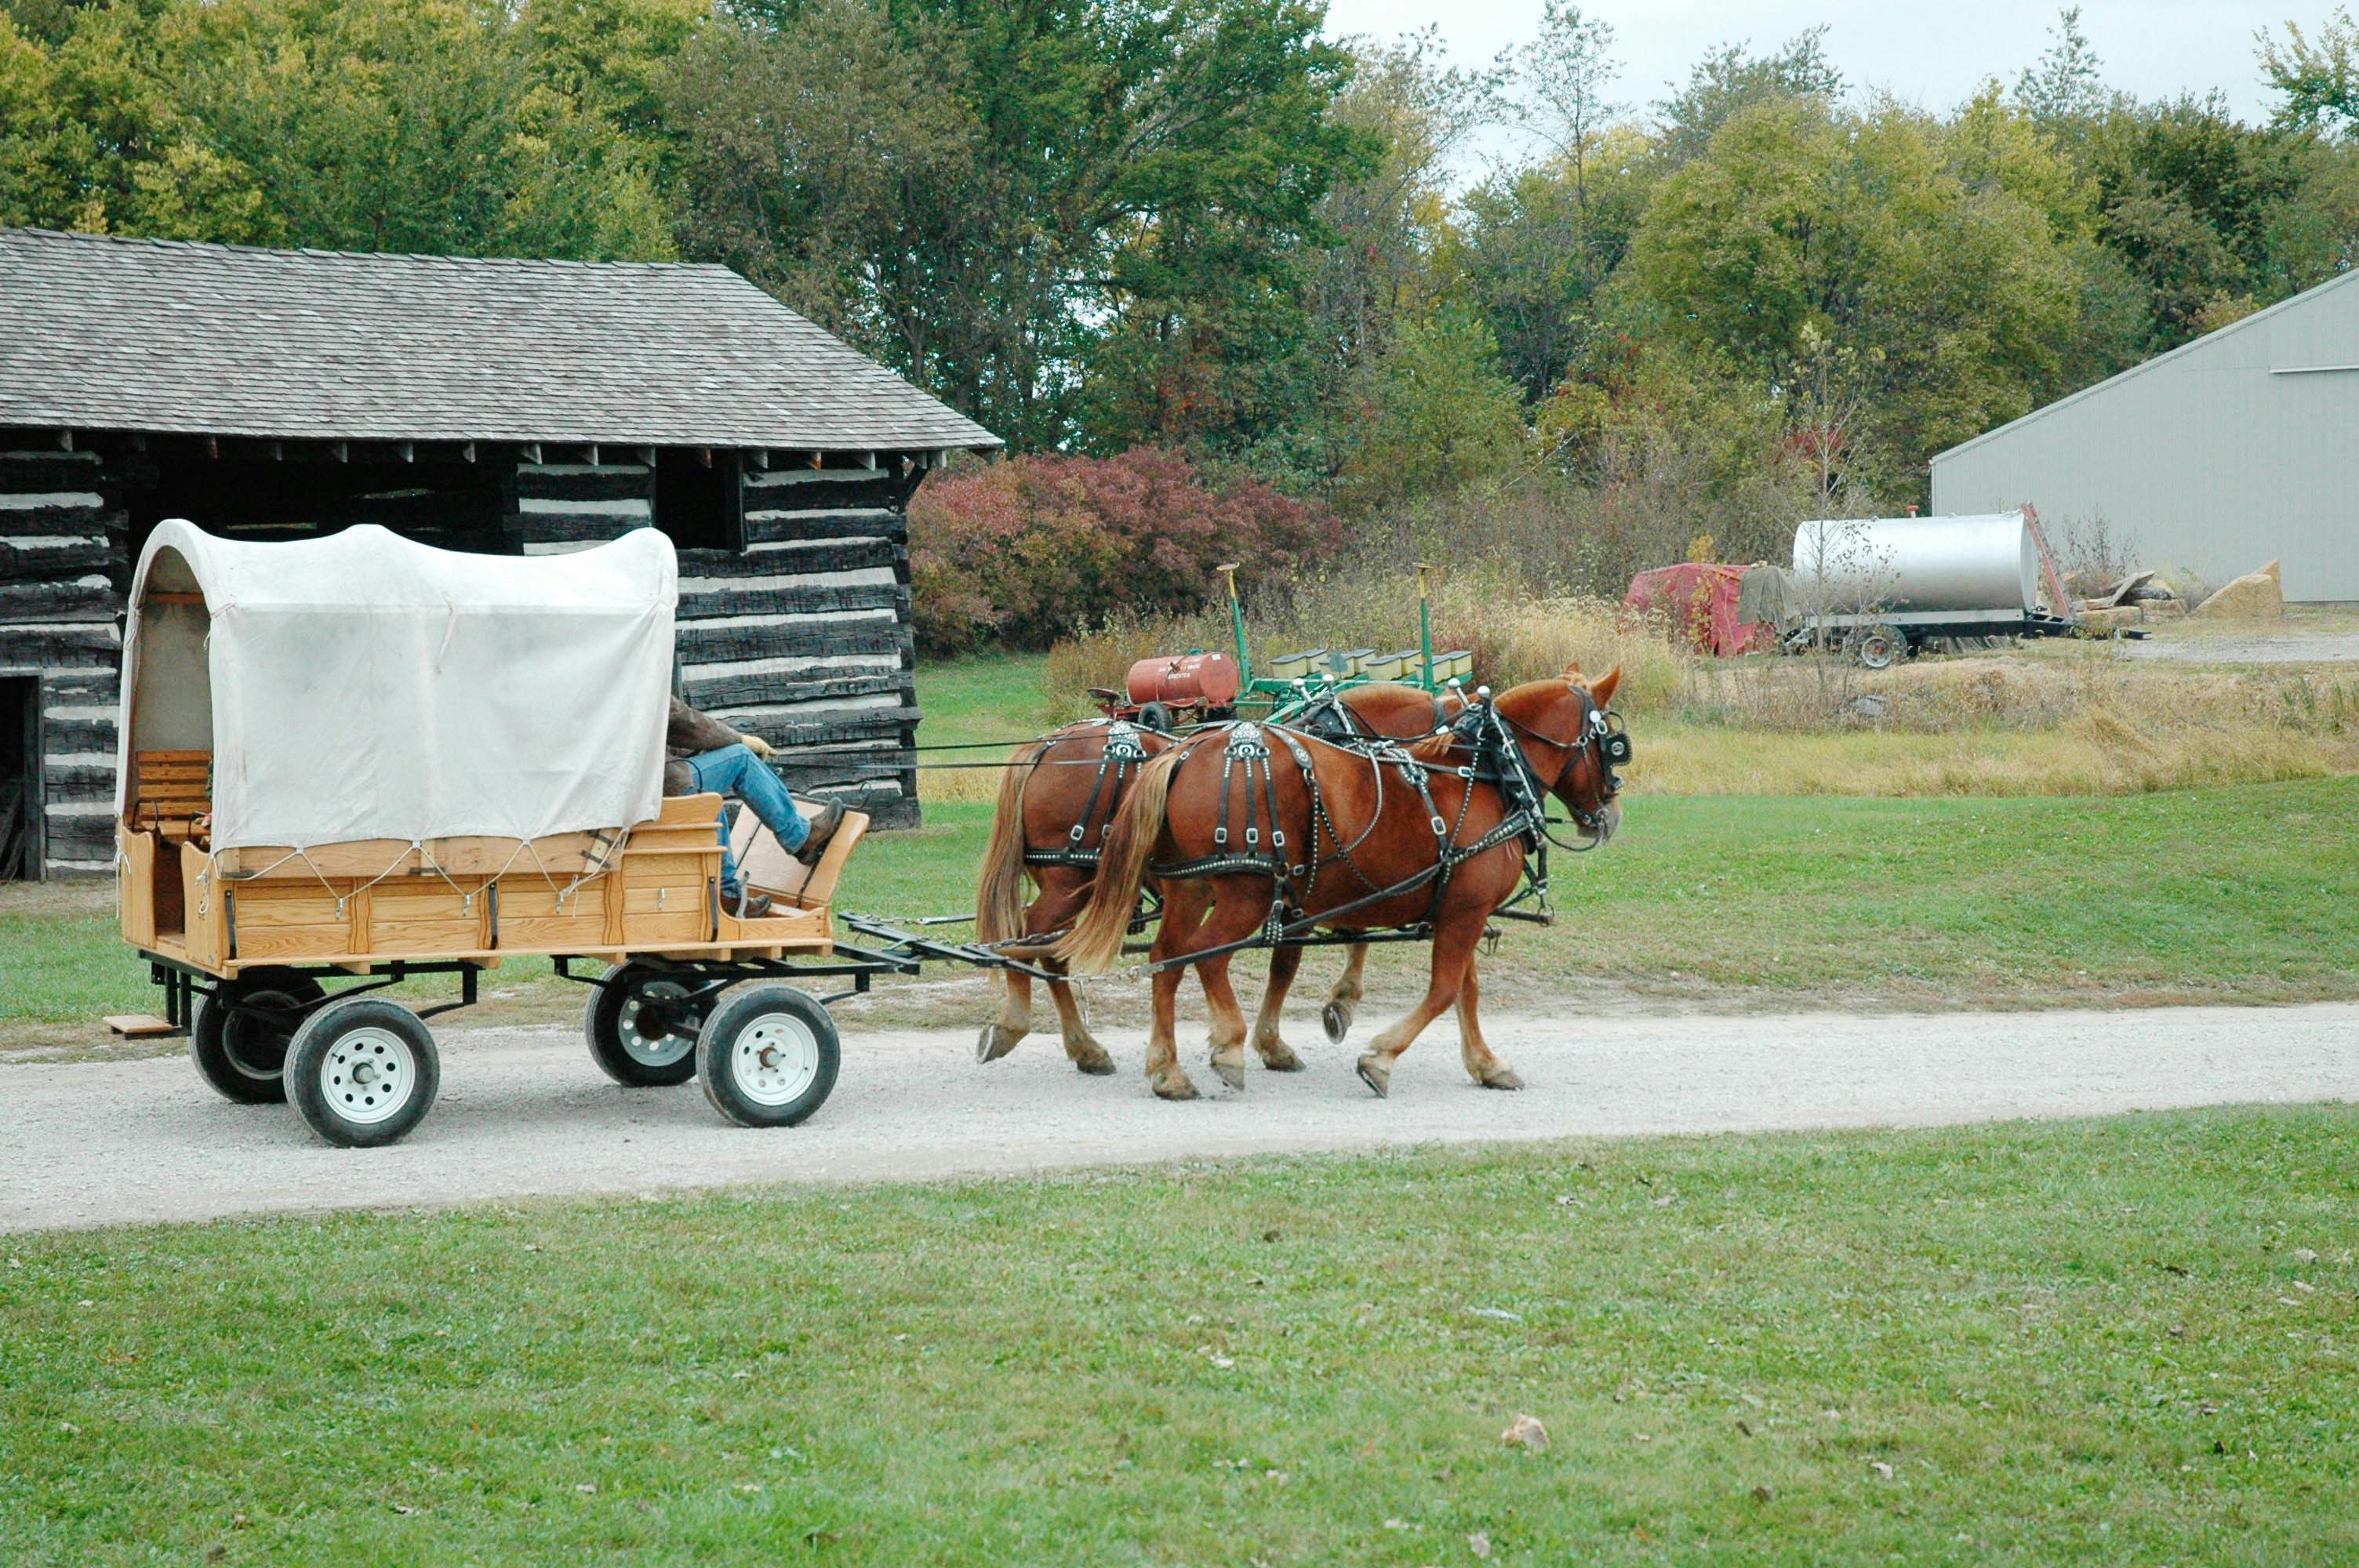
(767, 1057)
(641, 1029)
(363, 1072)
(239, 1036)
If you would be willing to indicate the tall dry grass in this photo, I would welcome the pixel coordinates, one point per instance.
(2058, 718)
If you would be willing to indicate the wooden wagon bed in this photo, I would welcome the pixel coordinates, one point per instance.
(363, 907)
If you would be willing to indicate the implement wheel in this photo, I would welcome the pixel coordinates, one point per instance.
(363, 1072)
(239, 1036)
(768, 1056)
(1880, 647)
(630, 1023)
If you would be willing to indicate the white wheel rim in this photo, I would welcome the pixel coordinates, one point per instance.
(661, 1053)
(368, 1076)
(774, 1058)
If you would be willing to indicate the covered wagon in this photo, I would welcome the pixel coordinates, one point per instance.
(356, 759)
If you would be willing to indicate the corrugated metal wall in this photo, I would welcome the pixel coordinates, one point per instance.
(2240, 447)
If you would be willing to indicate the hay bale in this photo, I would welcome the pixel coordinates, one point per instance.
(2255, 596)
(2107, 620)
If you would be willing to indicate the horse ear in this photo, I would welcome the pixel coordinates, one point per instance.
(1601, 691)
(1572, 669)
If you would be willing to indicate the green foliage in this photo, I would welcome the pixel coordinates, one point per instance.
(1202, 226)
(1730, 80)
(361, 125)
(1436, 413)
(1899, 299)
(2318, 78)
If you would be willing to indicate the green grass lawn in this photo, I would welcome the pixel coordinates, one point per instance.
(2128, 1341)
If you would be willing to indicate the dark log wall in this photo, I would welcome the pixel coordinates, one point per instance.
(804, 637)
(62, 565)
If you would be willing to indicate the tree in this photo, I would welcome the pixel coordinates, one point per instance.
(2067, 84)
(1435, 414)
(1730, 79)
(1844, 262)
(2318, 80)
(362, 124)
(1099, 220)
(1538, 244)
(2191, 200)
(1566, 72)
(827, 158)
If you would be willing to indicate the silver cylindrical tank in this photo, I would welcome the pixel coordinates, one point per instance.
(1917, 565)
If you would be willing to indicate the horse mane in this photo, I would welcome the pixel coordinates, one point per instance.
(1434, 748)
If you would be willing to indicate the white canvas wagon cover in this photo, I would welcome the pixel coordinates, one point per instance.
(365, 686)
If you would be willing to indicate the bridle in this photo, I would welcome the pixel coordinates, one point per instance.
(1603, 735)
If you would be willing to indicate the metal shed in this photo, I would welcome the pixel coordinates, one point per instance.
(508, 407)
(2235, 449)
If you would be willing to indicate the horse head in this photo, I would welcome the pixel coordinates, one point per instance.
(1567, 727)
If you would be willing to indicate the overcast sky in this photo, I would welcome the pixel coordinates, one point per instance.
(1934, 54)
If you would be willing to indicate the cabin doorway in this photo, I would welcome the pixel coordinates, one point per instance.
(20, 778)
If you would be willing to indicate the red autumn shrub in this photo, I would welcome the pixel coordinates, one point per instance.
(1025, 551)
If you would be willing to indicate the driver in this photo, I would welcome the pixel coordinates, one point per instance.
(702, 754)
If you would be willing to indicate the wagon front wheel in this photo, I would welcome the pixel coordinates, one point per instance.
(362, 1072)
(767, 1057)
(240, 1034)
(641, 1028)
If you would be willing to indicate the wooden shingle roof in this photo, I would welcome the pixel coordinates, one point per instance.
(100, 333)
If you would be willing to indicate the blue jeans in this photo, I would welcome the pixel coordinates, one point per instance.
(734, 770)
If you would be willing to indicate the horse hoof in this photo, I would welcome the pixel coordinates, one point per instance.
(1279, 1057)
(997, 1041)
(1377, 1075)
(1093, 1061)
(1174, 1086)
(1336, 1019)
(1501, 1077)
(1231, 1073)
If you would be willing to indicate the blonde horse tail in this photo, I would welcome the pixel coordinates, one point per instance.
(1095, 941)
(999, 898)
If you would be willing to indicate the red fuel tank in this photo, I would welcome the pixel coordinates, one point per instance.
(1185, 680)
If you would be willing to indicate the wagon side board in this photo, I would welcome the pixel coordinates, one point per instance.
(361, 906)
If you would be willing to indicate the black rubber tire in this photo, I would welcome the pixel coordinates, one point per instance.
(620, 1051)
(1880, 647)
(1155, 716)
(241, 1053)
(779, 1017)
(337, 1108)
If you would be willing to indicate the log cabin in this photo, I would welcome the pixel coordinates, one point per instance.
(501, 406)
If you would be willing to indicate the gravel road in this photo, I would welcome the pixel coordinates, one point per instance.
(523, 1111)
(2255, 648)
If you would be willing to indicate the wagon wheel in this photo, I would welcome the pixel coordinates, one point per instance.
(768, 1056)
(1880, 646)
(363, 1072)
(641, 1028)
(239, 1036)
(1155, 716)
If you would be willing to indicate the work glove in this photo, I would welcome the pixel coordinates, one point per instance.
(759, 747)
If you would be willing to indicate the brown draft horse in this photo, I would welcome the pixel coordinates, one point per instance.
(1181, 798)
(1051, 786)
